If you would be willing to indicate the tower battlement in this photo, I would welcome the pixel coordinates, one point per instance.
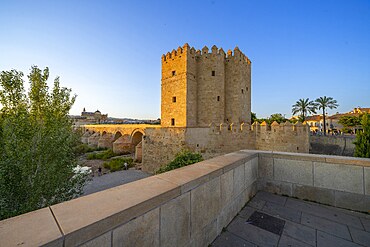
(204, 52)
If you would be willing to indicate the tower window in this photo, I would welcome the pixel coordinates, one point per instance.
(218, 98)
(172, 122)
(246, 88)
(174, 99)
(213, 73)
(173, 72)
(242, 91)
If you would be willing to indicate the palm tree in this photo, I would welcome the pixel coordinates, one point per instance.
(326, 102)
(304, 106)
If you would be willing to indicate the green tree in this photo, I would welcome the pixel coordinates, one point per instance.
(323, 103)
(36, 144)
(253, 117)
(278, 117)
(304, 107)
(362, 142)
(349, 121)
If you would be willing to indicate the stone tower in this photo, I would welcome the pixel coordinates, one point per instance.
(202, 87)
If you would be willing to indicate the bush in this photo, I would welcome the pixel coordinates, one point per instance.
(118, 164)
(183, 158)
(84, 148)
(107, 154)
(362, 142)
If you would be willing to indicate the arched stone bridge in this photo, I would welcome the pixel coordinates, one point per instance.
(121, 138)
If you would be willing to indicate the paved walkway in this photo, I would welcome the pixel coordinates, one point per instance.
(113, 179)
(271, 220)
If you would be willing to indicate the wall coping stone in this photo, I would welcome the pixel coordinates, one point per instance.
(24, 230)
(86, 217)
(364, 162)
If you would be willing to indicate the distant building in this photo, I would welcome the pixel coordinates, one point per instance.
(316, 122)
(89, 118)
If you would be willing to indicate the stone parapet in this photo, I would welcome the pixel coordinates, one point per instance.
(190, 206)
(333, 180)
(186, 206)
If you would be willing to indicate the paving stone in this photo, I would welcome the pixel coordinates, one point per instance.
(253, 234)
(350, 200)
(366, 224)
(282, 212)
(246, 212)
(326, 212)
(256, 202)
(303, 233)
(227, 239)
(265, 196)
(360, 237)
(286, 241)
(326, 225)
(327, 240)
(267, 222)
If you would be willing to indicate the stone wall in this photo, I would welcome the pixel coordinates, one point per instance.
(160, 145)
(190, 206)
(333, 180)
(185, 207)
(284, 137)
(333, 145)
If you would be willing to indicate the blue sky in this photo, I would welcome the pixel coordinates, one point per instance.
(109, 52)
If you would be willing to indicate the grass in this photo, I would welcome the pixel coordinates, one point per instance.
(84, 148)
(118, 164)
(107, 154)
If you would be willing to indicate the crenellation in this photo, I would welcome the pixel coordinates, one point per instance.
(214, 49)
(205, 50)
(179, 50)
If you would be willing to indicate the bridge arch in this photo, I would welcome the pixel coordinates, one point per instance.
(136, 142)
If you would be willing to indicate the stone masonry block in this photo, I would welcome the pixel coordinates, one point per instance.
(315, 194)
(351, 201)
(251, 170)
(293, 171)
(142, 231)
(339, 177)
(101, 241)
(227, 186)
(265, 167)
(175, 221)
(367, 180)
(205, 204)
(239, 180)
(277, 187)
(206, 235)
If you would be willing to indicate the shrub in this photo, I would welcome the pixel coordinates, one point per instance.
(362, 142)
(83, 148)
(107, 154)
(183, 158)
(118, 164)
